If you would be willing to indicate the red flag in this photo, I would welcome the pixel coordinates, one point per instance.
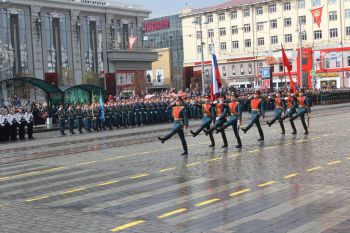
(286, 63)
(317, 14)
(132, 40)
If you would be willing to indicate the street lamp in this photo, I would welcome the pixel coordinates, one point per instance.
(198, 20)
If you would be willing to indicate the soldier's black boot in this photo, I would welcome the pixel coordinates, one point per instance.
(293, 126)
(161, 139)
(211, 140)
(184, 145)
(282, 127)
(194, 134)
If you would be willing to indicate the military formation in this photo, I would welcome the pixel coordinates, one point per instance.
(225, 112)
(15, 124)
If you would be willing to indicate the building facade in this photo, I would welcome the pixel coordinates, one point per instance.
(245, 33)
(166, 32)
(71, 42)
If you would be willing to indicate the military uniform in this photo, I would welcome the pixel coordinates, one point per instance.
(304, 107)
(61, 114)
(89, 116)
(21, 125)
(280, 108)
(80, 116)
(71, 114)
(28, 116)
(180, 121)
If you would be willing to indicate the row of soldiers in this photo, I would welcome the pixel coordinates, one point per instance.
(223, 113)
(14, 122)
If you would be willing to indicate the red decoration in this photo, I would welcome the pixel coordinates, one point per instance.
(317, 14)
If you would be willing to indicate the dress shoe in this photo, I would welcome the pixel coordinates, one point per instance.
(244, 130)
(185, 153)
(212, 145)
(161, 139)
(268, 123)
(260, 139)
(306, 132)
(224, 146)
(294, 132)
(239, 146)
(193, 133)
(283, 132)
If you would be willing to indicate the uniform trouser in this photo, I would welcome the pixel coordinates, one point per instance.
(88, 123)
(218, 124)
(301, 114)
(206, 121)
(95, 124)
(177, 129)
(21, 130)
(80, 123)
(289, 114)
(5, 133)
(117, 121)
(71, 124)
(30, 129)
(278, 116)
(108, 122)
(111, 121)
(102, 123)
(255, 120)
(62, 125)
(13, 131)
(234, 123)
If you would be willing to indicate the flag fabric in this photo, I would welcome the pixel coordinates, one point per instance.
(216, 82)
(102, 108)
(317, 14)
(286, 63)
(132, 40)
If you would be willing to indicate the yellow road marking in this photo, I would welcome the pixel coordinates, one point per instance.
(231, 156)
(326, 135)
(36, 198)
(313, 169)
(314, 138)
(86, 163)
(271, 147)
(348, 158)
(139, 176)
(266, 183)
(56, 168)
(334, 162)
(252, 151)
(302, 141)
(72, 191)
(192, 164)
(108, 183)
(167, 169)
(239, 192)
(289, 143)
(125, 226)
(172, 213)
(32, 173)
(214, 159)
(291, 175)
(207, 202)
(4, 177)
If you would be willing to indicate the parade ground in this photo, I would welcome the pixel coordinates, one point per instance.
(125, 180)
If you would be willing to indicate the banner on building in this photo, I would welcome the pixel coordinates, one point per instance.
(317, 15)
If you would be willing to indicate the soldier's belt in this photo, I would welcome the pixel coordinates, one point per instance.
(234, 114)
(255, 110)
(207, 115)
(178, 119)
(302, 106)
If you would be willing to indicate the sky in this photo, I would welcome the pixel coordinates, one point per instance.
(170, 7)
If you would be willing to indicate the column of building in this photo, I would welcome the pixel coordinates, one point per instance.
(76, 46)
(36, 34)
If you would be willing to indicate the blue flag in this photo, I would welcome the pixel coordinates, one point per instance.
(102, 108)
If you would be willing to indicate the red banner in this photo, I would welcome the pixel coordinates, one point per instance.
(317, 14)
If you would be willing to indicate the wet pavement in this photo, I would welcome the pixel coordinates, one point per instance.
(125, 180)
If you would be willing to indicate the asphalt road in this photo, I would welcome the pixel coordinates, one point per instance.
(126, 180)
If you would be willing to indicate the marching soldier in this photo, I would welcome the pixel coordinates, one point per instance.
(280, 108)
(21, 124)
(304, 107)
(180, 121)
(71, 114)
(257, 110)
(80, 116)
(28, 116)
(291, 103)
(220, 118)
(61, 114)
(208, 113)
(235, 118)
(96, 119)
(13, 125)
(89, 116)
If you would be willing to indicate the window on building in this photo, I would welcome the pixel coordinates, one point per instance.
(301, 4)
(211, 33)
(222, 17)
(234, 30)
(261, 41)
(246, 12)
(333, 16)
(235, 44)
(210, 47)
(248, 43)
(260, 26)
(333, 32)
(259, 10)
(348, 60)
(318, 35)
(234, 14)
(246, 28)
(199, 49)
(250, 68)
(273, 23)
(332, 2)
(222, 31)
(274, 40)
(272, 8)
(233, 70)
(199, 34)
(288, 38)
(347, 13)
(280, 67)
(241, 69)
(224, 71)
(316, 3)
(223, 46)
(327, 63)
(287, 22)
(210, 18)
(286, 6)
(303, 36)
(302, 19)
(347, 31)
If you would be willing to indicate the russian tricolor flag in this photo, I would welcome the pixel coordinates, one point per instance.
(216, 79)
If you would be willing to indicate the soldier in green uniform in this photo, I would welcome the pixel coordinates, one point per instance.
(61, 114)
(71, 114)
(80, 117)
(89, 116)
